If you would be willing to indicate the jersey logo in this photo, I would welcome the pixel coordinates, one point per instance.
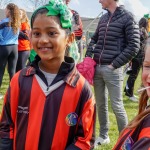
(22, 110)
(128, 144)
(71, 119)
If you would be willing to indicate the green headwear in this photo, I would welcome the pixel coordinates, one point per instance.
(58, 8)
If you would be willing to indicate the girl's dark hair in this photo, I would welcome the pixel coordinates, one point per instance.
(14, 17)
(143, 23)
(44, 11)
(40, 11)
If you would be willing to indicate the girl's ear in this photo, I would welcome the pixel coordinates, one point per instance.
(71, 38)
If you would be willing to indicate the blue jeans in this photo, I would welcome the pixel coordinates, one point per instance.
(107, 80)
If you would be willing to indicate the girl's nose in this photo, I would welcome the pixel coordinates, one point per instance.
(44, 39)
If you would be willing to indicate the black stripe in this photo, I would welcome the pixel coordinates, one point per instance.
(3, 25)
(23, 36)
(50, 115)
(86, 94)
(25, 85)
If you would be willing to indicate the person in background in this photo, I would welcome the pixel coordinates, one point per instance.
(9, 31)
(38, 112)
(77, 29)
(136, 135)
(115, 42)
(24, 45)
(137, 61)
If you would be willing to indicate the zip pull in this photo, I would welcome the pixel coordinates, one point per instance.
(47, 88)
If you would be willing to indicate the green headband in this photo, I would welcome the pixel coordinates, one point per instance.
(58, 8)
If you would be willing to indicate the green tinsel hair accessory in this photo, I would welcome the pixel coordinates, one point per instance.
(58, 8)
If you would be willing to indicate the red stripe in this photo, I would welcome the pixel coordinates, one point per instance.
(69, 103)
(35, 116)
(144, 133)
(87, 116)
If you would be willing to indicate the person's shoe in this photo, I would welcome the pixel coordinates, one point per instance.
(1, 96)
(101, 141)
(133, 98)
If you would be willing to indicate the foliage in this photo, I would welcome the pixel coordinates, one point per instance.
(37, 3)
(3, 3)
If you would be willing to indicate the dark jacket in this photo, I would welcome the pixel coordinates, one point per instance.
(116, 39)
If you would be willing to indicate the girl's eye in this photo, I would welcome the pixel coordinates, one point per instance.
(52, 33)
(146, 66)
(36, 34)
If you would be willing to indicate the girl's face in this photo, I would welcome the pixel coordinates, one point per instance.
(21, 13)
(6, 12)
(48, 39)
(146, 70)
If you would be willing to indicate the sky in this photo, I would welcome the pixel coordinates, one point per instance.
(92, 8)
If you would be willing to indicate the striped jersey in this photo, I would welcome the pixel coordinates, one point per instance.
(62, 119)
(136, 139)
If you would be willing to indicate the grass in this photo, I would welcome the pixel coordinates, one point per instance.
(131, 109)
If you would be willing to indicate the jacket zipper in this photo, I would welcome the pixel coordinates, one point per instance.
(105, 38)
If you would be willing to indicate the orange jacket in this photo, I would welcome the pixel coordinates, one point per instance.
(23, 39)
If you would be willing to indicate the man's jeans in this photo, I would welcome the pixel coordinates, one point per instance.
(107, 80)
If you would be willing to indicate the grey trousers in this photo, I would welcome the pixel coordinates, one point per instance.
(110, 81)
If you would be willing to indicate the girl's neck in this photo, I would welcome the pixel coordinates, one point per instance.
(50, 66)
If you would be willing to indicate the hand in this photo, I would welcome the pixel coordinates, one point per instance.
(111, 67)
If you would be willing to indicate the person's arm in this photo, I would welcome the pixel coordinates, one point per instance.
(2, 26)
(8, 116)
(6, 125)
(143, 141)
(93, 41)
(132, 36)
(85, 131)
(24, 32)
(23, 35)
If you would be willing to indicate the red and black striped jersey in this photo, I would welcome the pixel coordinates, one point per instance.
(136, 139)
(63, 119)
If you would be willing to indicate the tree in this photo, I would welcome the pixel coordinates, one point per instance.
(3, 3)
(37, 3)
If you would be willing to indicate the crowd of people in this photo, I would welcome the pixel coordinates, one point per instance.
(49, 103)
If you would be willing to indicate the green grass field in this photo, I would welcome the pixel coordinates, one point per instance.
(131, 108)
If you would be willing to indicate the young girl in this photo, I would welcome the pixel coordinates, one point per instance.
(49, 105)
(136, 136)
(24, 43)
(9, 31)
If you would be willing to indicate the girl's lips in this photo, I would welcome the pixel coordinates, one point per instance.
(45, 49)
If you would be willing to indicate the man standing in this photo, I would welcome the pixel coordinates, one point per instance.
(116, 41)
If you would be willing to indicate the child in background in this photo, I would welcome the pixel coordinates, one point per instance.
(137, 61)
(9, 31)
(136, 136)
(24, 43)
(49, 105)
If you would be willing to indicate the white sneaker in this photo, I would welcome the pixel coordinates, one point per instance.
(101, 141)
(1, 96)
(133, 98)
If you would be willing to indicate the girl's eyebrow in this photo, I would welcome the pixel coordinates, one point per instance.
(146, 61)
(46, 28)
